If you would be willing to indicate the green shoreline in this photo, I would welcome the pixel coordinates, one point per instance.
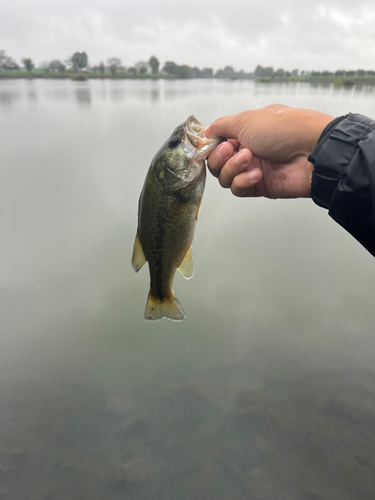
(41, 74)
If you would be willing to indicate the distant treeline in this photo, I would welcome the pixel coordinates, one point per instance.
(269, 72)
(79, 62)
(77, 67)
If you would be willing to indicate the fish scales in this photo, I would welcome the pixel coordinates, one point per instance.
(173, 217)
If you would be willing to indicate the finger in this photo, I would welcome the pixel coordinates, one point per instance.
(245, 184)
(226, 126)
(219, 157)
(236, 144)
(235, 166)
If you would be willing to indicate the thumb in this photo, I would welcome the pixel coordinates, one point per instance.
(225, 126)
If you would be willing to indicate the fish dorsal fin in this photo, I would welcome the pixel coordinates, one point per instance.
(187, 267)
(138, 258)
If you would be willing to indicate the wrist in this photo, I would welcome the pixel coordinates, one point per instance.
(315, 123)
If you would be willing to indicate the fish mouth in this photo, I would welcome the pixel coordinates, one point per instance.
(195, 132)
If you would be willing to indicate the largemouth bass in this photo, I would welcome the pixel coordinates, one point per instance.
(167, 214)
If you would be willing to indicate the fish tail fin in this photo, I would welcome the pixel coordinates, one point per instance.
(164, 308)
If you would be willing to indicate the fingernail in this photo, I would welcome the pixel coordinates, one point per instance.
(252, 175)
(222, 151)
(242, 158)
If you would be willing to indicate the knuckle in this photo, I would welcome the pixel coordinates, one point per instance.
(237, 188)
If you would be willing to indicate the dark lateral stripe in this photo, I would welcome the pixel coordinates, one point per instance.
(159, 276)
(159, 247)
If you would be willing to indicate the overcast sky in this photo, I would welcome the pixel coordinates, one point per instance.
(205, 33)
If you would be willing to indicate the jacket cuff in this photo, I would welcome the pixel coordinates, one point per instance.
(341, 135)
(326, 174)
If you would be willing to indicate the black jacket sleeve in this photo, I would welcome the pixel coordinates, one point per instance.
(343, 179)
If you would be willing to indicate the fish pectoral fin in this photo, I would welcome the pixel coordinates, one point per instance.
(138, 257)
(187, 266)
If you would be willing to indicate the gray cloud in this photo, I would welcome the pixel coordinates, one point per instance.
(306, 35)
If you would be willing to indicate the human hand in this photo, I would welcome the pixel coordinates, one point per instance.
(267, 150)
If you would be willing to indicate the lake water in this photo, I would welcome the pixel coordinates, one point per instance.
(266, 391)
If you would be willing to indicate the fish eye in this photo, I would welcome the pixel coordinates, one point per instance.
(174, 142)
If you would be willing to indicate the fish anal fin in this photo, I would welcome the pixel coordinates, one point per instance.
(163, 308)
(187, 265)
(138, 257)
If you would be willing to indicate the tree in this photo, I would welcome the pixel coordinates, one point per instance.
(29, 65)
(227, 72)
(207, 72)
(196, 72)
(7, 62)
(3, 59)
(102, 68)
(79, 60)
(142, 70)
(184, 71)
(114, 64)
(171, 68)
(56, 65)
(264, 72)
(45, 65)
(154, 63)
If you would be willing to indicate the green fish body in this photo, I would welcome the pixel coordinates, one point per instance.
(167, 215)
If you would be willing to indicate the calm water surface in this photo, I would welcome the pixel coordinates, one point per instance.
(266, 391)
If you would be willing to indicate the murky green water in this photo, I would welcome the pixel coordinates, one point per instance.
(266, 391)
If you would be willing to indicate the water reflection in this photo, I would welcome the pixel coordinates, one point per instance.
(32, 96)
(173, 94)
(117, 94)
(7, 98)
(83, 96)
(141, 94)
(102, 94)
(59, 94)
(265, 392)
(155, 95)
(202, 440)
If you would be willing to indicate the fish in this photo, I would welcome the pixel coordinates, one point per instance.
(167, 214)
